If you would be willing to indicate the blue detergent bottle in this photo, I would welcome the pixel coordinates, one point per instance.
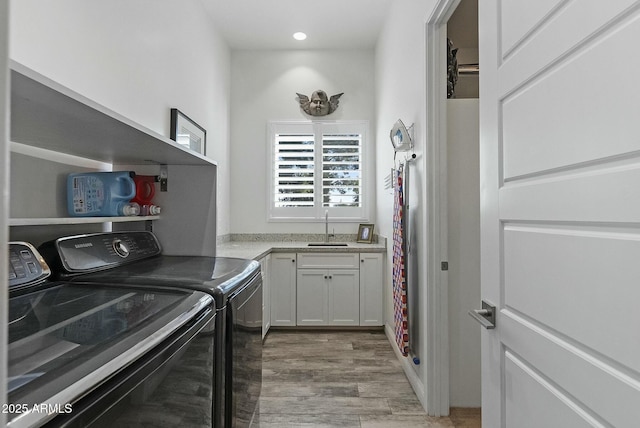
(101, 194)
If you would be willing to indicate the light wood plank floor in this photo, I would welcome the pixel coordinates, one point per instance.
(342, 379)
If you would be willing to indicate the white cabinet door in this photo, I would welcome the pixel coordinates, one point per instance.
(266, 294)
(560, 212)
(371, 289)
(283, 289)
(313, 297)
(328, 297)
(344, 296)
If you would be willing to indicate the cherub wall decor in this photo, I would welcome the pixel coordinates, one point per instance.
(319, 104)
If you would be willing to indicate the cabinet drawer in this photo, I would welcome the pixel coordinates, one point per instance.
(328, 260)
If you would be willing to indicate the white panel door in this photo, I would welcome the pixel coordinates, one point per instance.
(560, 189)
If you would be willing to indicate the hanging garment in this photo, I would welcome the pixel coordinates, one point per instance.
(399, 275)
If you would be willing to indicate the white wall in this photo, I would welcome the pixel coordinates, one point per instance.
(263, 88)
(463, 189)
(400, 93)
(139, 59)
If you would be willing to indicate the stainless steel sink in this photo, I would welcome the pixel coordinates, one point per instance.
(327, 244)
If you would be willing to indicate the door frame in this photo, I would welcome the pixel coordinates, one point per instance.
(435, 163)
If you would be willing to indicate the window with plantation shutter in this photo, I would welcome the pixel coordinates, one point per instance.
(341, 170)
(294, 170)
(318, 167)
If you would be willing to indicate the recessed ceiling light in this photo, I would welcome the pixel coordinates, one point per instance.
(299, 36)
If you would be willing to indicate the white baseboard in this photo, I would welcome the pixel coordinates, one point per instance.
(407, 366)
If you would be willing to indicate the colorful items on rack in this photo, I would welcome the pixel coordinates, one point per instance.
(109, 194)
(399, 274)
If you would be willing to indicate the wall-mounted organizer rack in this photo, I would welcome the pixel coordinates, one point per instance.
(402, 140)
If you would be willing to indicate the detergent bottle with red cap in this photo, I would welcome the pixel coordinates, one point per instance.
(145, 191)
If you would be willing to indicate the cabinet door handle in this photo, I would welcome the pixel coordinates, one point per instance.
(325, 277)
(293, 260)
(330, 277)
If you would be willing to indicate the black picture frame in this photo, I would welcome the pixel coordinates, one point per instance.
(365, 233)
(187, 132)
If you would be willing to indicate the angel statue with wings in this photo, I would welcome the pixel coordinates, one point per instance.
(319, 104)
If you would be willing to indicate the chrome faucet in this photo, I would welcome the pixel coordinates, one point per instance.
(326, 226)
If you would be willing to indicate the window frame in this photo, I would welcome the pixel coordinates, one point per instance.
(317, 213)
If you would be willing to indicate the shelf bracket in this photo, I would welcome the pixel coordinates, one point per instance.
(164, 178)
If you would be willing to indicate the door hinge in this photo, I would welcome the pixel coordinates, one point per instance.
(444, 265)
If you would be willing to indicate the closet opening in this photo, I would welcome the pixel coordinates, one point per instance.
(463, 205)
